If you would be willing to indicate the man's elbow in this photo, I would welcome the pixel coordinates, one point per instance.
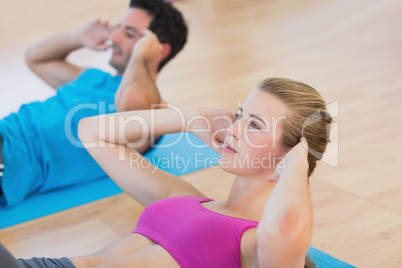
(30, 59)
(131, 101)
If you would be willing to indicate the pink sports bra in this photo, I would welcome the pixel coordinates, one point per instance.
(195, 236)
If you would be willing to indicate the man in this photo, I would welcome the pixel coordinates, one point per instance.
(39, 144)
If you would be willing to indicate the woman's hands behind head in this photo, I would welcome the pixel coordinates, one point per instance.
(210, 124)
(296, 158)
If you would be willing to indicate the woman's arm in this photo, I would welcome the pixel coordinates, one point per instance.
(284, 232)
(106, 138)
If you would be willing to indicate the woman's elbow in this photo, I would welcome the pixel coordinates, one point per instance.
(293, 228)
(84, 130)
(81, 128)
(296, 226)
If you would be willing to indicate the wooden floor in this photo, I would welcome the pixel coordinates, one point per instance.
(350, 50)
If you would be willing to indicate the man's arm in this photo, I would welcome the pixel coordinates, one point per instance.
(48, 57)
(138, 90)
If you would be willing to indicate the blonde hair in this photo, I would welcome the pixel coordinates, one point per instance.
(308, 118)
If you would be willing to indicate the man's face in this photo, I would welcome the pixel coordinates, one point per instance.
(126, 35)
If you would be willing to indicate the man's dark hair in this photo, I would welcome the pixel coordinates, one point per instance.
(168, 24)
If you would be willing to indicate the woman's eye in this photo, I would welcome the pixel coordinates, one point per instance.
(254, 125)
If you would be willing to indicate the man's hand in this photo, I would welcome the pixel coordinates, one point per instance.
(95, 34)
(148, 47)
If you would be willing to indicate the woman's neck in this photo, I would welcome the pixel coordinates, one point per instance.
(248, 196)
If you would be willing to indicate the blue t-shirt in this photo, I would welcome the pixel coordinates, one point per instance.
(41, 149)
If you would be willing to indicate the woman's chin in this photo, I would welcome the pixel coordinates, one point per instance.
(232, 169)
(227, 165)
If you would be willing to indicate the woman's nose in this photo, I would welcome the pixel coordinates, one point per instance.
(235, 130)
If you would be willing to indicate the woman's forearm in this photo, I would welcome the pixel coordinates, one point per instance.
(108, 140)
(128, 127)
(286, 226)
(290, 199)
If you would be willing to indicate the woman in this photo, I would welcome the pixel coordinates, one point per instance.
(266, 220)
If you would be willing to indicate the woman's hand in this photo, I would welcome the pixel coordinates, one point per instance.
(295, 158)
(210, 124)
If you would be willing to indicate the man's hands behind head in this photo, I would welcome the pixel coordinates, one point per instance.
(95, 34)
(149, 47)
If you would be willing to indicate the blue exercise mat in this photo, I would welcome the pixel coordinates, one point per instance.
(178, 154)
(323, 260)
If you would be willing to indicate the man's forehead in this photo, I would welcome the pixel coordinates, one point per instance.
(137, 18)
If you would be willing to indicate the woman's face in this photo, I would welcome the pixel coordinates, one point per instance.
(252, 146)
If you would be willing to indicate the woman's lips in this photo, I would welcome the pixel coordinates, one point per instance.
(228, 149)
